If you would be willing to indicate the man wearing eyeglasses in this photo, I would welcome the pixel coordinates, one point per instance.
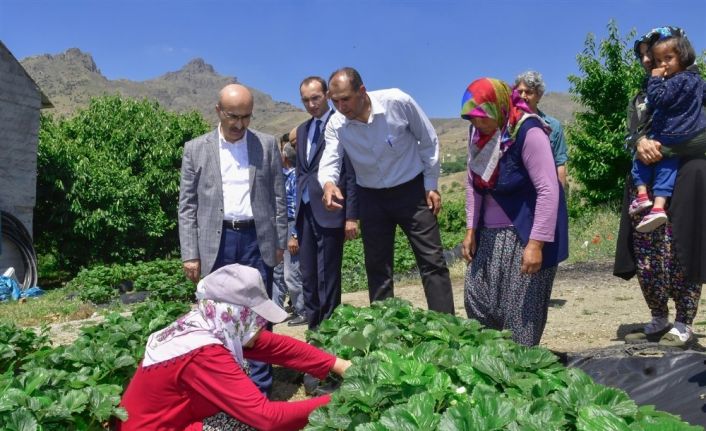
(232, 200)
(321, 232)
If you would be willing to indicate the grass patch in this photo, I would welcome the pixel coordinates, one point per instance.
(592, 234)
(52, 307)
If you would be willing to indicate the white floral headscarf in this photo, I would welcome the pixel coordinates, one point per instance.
(212, 322)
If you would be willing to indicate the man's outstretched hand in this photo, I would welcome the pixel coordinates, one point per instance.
(332, 198)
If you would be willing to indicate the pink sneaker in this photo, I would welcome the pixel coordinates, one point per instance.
(637, 206)
(651, 221)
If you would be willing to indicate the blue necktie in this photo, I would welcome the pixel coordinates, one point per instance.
(314, 140)
(312, 150)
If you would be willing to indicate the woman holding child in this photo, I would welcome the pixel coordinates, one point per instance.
(665, 119)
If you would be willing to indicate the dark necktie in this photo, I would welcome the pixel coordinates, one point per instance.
(315, 139)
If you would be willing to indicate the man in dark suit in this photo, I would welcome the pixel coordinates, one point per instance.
(321, 232)
(231, 200)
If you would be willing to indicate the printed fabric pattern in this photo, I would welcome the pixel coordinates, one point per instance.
(660, 275)
(290, 188)
(212, 322)
(492, 98)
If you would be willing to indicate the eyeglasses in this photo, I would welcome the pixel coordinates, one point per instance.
(232, 117)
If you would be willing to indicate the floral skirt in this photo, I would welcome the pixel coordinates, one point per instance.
(499, 296)
(223, 422)
(660, 274)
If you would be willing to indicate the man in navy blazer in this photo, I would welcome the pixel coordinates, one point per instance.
(321, 232)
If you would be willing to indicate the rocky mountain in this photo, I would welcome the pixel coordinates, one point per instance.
(72, 78)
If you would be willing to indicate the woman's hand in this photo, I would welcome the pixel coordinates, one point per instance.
(468, 245)
(340, 366)
(532, 257)
(648, 151)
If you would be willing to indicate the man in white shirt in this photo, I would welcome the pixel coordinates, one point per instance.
(232, 201)
(394, 151)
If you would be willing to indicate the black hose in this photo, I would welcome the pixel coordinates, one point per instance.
(15, 232)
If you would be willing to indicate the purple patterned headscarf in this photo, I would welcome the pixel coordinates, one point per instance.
(212, 322)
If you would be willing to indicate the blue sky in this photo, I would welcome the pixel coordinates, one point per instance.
(431, 49)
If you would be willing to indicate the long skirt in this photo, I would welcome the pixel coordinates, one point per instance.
(499, 296)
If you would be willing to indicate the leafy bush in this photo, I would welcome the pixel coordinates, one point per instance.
(423, 370)
(610, 77)
(78, 387)
(458, 164)
(108, 181)
(164, 280)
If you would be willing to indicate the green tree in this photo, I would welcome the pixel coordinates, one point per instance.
(108, 181)
(610, 76)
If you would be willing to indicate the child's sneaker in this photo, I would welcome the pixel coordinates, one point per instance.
(652, 221)
(638, 205)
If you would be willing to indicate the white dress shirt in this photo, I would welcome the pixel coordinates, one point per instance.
(396, 144)
(235, 174)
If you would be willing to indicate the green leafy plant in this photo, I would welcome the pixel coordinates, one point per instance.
(78, 387)
(610, 77)
(422, 370)
(163, 278)
(108, 181)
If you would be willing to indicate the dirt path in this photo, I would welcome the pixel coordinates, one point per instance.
(590, 308)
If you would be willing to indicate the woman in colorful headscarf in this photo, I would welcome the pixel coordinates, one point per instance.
(516, 221)
(193, 369)
(670, 262)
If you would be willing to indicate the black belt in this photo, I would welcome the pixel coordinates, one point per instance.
(239, 224)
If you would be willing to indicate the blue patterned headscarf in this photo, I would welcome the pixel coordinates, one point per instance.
(656, 34)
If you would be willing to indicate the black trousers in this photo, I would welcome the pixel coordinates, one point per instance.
(320, 260)
(381, 211)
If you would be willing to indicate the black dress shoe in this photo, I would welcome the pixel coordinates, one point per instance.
(298, 321)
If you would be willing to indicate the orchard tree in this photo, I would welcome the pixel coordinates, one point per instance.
(108, 181)
(610, 77)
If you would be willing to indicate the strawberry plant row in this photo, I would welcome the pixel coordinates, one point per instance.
(422, 370)
(78, 386)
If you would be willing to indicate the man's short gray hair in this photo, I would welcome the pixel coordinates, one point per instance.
(532, 79)
(289, 153)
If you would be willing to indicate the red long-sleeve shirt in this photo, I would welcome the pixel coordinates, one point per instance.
(178, 394)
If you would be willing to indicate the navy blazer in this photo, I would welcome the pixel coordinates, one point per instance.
(307, 174)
